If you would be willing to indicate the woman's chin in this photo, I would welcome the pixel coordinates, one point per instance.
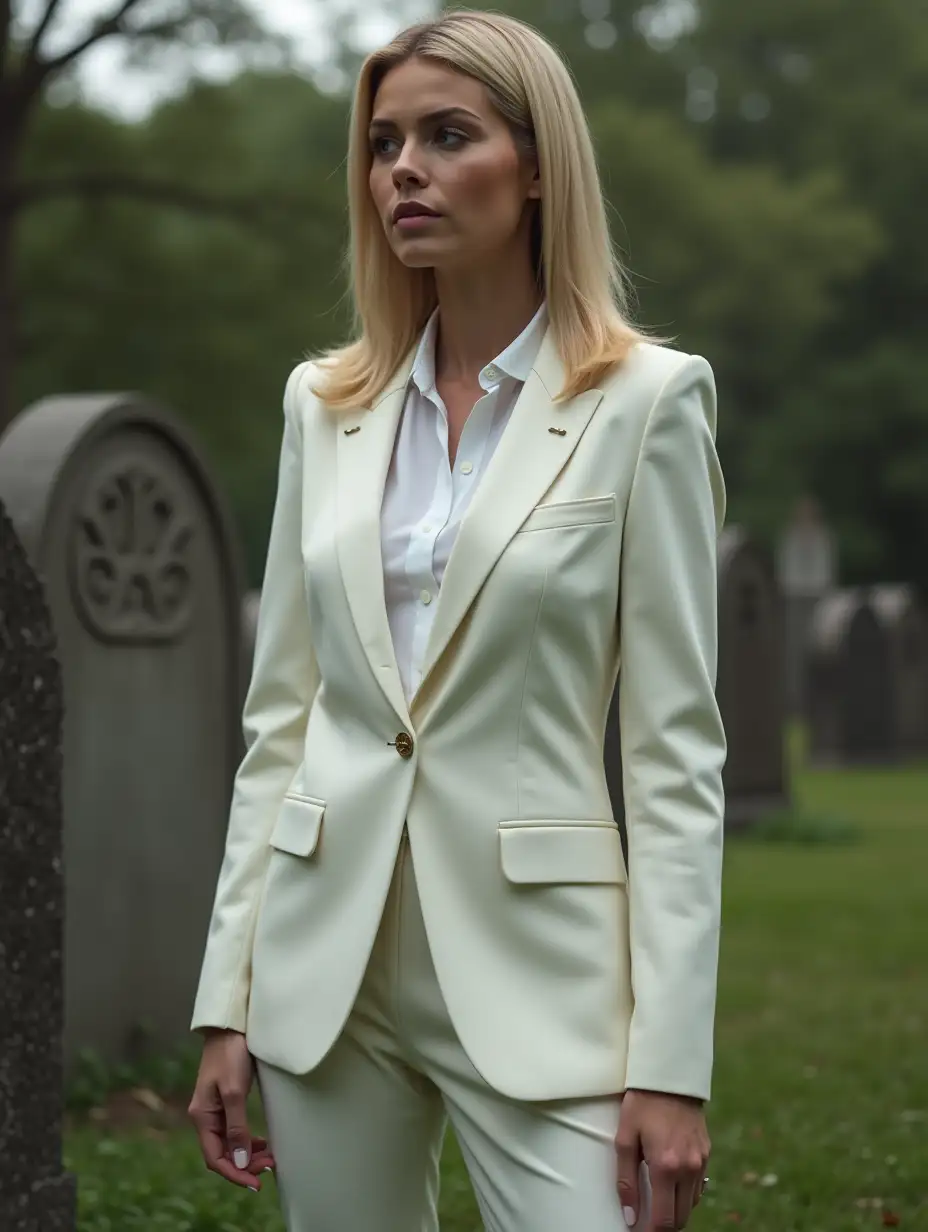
(425, 254)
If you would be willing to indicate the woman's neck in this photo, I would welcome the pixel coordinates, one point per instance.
(479, 315)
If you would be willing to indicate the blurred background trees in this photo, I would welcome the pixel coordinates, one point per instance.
(767, 171)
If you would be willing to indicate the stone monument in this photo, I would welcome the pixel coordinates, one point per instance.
(851, 699)
(906, 624)
(750, 686)
(35, 1194)
(807, 571)
(123, 522)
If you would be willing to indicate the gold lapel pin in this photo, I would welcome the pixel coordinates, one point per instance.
(558, 431)
(348, 431)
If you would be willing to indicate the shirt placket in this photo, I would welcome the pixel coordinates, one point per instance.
(452, 488)
(422, 541)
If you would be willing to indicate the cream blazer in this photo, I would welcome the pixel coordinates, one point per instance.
(590, 543)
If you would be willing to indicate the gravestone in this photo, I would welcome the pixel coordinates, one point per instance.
(906, 623)
(124, 524)
(750, 686)
(851, 700)
(250, 604)
(35, 1194)
(806, 571)
(612, 764)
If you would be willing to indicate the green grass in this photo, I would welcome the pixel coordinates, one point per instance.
(820, 1112)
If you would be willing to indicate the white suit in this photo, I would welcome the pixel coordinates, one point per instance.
(590, 542)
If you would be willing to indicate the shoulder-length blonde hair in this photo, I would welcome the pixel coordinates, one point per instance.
(584, 282)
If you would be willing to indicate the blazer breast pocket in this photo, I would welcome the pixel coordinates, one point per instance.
(586, 511)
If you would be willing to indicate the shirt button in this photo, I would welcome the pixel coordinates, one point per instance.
(492, 372)
(425, 596)
(466, 468)
(425, 528)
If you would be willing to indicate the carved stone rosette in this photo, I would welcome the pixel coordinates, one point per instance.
(131, 576)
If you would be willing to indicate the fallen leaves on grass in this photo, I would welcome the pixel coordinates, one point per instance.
(148, 1099)
(767, 1181)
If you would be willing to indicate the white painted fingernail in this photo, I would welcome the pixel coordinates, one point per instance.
(240, 1158)
(629, 1216)
(254, 1188)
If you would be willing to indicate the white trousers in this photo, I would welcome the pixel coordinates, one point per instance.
(358, 1140)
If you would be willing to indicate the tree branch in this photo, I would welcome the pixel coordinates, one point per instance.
(5, 19)
(36, 71)
(254, 211)
(104, 28)
(51, 7)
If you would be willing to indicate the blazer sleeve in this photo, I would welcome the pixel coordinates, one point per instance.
(284, 680)
(672, 737)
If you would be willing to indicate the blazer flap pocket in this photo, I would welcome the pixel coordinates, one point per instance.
(298, 823)
(586, 511)
(533, 852)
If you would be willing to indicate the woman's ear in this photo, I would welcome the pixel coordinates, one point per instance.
(534, 188)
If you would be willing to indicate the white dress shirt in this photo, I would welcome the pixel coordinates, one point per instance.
(424, 499)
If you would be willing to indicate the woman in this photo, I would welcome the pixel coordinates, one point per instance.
(494, 493)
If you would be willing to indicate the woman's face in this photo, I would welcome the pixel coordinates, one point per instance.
(438, 145)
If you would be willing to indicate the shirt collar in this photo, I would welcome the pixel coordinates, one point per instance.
(515, 360)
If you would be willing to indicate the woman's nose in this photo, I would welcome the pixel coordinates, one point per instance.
(408, 169)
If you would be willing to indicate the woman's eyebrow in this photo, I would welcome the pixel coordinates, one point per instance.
(443, 113)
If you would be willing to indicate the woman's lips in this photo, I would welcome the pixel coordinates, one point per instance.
(411, 222)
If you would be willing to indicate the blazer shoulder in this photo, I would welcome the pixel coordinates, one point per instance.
(648, 368)
(634, 385)
(639, 381)
(300, 403)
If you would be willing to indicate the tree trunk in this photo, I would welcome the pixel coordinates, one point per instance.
(9, 145)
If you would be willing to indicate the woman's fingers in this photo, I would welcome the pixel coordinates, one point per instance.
(210, 1127)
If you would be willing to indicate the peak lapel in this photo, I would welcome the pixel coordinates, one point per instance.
(527, 460)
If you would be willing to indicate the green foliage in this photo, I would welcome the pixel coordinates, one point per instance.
(769, 162)
(766, 168)
(94, 1080)
(808, 829)
(203, 313)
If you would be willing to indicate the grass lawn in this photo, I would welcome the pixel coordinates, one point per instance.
(820, 1111)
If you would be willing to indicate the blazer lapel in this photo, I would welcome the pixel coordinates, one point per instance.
(527, 460)
(364, 450)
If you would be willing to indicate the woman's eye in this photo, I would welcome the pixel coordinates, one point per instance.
(450, 138)
(379, 145)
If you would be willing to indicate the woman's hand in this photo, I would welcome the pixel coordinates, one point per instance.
(669, 1133)
(218, 1111)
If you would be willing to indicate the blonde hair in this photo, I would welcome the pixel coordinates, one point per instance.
(584, 282)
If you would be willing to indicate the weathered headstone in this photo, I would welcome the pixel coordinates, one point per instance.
(612, 764)
(124, 524)
(906, 623)
(806, 572)
(750, 685)
(35, 1194)
(250, 605)
(851, 704)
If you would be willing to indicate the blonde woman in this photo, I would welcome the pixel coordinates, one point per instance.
(498, 493)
